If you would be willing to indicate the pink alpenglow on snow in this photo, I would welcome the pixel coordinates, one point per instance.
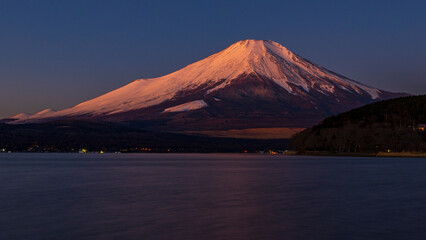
(187, 106)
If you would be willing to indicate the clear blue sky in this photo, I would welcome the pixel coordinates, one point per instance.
(55, 54)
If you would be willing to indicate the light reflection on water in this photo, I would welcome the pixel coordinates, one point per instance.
(210, 196)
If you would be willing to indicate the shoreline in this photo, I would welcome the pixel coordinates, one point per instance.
(288, 153)
(362, 154)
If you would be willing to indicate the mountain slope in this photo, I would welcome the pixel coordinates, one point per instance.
(249, 81)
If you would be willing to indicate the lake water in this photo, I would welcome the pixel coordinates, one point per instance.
(210, 196)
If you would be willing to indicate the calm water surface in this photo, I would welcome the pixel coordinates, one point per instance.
(211, 196)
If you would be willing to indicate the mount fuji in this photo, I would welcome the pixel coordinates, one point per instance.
(250, 84)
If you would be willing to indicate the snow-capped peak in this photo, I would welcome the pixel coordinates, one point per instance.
(265, 58)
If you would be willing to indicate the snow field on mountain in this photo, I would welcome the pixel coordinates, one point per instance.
(187, 106)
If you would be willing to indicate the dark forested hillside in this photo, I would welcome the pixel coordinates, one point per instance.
(391, 125)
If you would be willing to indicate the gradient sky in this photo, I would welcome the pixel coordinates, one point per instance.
(56, 54)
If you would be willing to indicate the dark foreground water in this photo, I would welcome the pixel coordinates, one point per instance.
(215, 196)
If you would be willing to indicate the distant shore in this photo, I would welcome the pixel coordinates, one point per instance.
(286, 153)
(361, 154)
